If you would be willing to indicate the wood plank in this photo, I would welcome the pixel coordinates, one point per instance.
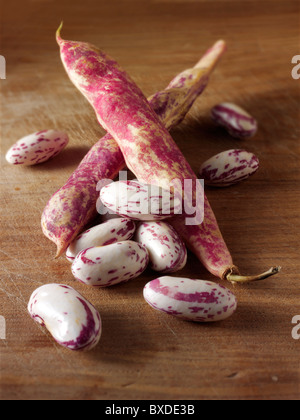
(143, 354)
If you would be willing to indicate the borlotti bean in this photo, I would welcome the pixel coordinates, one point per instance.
(37, 148)
(107, 233)
(167, 251)
(110, 265)
(139, 201)
(72, 321)
(229, 168)
(191, 300)
(236, 120)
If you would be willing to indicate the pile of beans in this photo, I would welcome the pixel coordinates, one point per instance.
(135, 237)
(116, 251)
(139, 235)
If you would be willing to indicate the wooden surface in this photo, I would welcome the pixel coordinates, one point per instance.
(143, 354)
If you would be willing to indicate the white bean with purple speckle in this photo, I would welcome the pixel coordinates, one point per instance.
(167, 251)
(229, 168)
(37, 148)
(238, 122)
(107, 233)
(111, 264)
(191, 300)
(139, 201)
(71, 320)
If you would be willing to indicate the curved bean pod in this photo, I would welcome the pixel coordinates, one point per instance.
(71, 320)
(110, 265)
(191, 300)
(229, 168)
(37, 148)
(235, 119)
(107, 233)
(167, 252)
(74, 205)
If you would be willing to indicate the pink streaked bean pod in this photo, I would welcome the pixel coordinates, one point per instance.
(167, 251)
(61, 220)
(148, 150)
(110, 265)
(229, 168)
(139, 201)
(71, 320)
(37, 148)
(191, 300)
(107, 233)
(238, 122)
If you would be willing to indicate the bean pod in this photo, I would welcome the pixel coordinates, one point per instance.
(236, 120)
(72, 321)
(78, 58)
(229, 168)
(107, 233)
(191, 300)
(148, 150)
(139, 201)
(167, 251)
(61, 221)
(37, 148)
(110, 265)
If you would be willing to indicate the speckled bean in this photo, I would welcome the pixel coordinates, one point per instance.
(167, 252)
(236, 120)
(110, 265)
(37, 148)
(139, 201)
(72, 321)
(228, 168)
(107, 233)
(191, 300)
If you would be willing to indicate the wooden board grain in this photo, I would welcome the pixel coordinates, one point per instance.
(143, 354)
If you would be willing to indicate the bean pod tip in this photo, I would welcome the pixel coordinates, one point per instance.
(235, 277)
